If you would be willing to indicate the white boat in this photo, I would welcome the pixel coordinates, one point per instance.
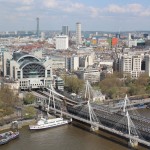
(44, 123)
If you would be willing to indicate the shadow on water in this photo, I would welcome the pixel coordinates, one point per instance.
(112, 137)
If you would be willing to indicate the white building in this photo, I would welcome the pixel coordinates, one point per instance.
(131, 65)
(147, 64)
(90, 74)
(72, 63)
(78, 33)
(125, 64)
(58, 62)
(62, 42)
(30, 71)
(86, 61)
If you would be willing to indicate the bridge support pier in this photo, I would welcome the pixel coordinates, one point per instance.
(94, 128)
(133, 143)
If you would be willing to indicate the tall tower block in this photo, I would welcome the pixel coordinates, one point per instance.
(37, 29)
(65, 30)
(78, 33)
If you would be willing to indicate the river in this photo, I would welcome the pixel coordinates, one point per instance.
(68, 137)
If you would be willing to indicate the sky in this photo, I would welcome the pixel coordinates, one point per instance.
(94, 15)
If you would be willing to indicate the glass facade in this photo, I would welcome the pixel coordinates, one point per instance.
(33, 71)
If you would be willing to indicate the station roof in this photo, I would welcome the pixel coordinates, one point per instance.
(29, 62)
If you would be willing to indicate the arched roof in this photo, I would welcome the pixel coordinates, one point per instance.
(28, 63)
(26, 56)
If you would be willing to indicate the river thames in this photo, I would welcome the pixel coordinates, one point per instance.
(69, 137)
(66, 137)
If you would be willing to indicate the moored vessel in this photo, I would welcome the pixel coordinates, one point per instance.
(8, 136)
(44, 123)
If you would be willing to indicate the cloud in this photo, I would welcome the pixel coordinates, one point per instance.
(135, 8)
(145, 13)
(74, 7)
(115, 9)
(51, 3)
(24, 8)
(27, 2)
(69, 11)
(94, 12)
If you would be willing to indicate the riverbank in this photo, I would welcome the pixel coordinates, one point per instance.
(20, 124)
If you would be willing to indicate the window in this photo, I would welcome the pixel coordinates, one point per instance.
(18, 74)
(48, 73)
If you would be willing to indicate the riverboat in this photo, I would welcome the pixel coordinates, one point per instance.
(44, 123)
(8, 136)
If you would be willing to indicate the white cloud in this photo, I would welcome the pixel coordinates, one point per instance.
(51, 3)
(73, 7)
(145, 13)
(94, 12)
(115, 9)
(27, 2)
(24, 8)
(135, 8)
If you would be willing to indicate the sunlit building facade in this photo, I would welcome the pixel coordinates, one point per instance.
(30, 71)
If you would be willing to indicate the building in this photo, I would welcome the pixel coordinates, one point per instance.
(59, 83)
(90, 74)
(30, 71)
(134, 42)
(125, 64)
(42, 36)
(65, 30)
(72, 63)
(86, 61)
(62, 42)
(147, 64)
(37, 28)
(78, 33)
(58, 62)
(94, 41)
(131, 65)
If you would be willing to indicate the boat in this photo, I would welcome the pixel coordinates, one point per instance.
(8, 136)
(44, 123)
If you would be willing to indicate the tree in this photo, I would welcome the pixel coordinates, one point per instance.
(29, 98)
(8, 101)
(73, 84)
(29, 112)
(142, 80)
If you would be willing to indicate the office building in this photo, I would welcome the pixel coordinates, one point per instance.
(131, 65)
(90, 74)
(65, 30)
(78, 33)
(62, 42)
(147, 64)
(72, 63)
(37, 29)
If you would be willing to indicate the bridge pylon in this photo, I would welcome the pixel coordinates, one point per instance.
(93, 118)
(131, 131)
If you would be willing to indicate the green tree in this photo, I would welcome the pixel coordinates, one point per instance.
(29, 112)
(73, 84)
(8, 101)
(28, 99)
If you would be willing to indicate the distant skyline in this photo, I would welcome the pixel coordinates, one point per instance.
(94, 15)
